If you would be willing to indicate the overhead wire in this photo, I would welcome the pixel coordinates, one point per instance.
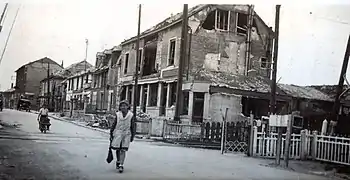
(8, 37)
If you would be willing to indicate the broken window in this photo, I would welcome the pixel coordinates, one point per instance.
(126, 63)
(209, 23)
(150, 53)
(153, 94)
(171, 52)
(241, 23)
(222, 19)
(263, 62)
(218, 19)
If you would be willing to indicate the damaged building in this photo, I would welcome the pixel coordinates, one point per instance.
(227, 58)
(104, 81)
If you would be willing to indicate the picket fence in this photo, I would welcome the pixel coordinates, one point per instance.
(304, 146)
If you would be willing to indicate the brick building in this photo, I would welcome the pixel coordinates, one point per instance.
(28, 79)
(228, 53)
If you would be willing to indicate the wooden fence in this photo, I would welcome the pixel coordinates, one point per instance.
(332, 149)
(304, 146)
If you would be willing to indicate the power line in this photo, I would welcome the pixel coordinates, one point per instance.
(8, 37)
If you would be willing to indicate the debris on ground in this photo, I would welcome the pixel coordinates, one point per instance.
(141, 116)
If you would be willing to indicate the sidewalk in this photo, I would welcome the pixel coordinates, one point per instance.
(72, 121)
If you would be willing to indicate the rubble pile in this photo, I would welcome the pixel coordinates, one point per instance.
(141, 116)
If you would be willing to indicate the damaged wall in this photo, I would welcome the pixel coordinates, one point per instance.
(129, 48)
(221, 50)
(218, 104)
(163, 45)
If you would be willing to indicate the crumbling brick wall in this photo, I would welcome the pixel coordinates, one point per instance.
(226, 50)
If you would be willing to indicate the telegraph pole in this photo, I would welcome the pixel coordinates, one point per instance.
(273, 86)
(48, 85)
(339, 90)
(184, 36)
(86, 74)
(136, 76)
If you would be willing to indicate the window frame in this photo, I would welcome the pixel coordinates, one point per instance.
(228, 20)
(126, 63)
(173, 39)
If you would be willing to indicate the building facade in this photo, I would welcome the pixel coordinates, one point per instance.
(54, 93)
(78, 91)
(28, 79)
(224, 40)
(105, 78)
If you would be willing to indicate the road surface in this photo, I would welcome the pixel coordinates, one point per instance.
(73, 152)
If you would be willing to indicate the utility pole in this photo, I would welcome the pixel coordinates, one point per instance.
(48, 85)
(86, 74)
(339, 90)
(2, 16)
(136, 76)
(273, 86)
(183, 49)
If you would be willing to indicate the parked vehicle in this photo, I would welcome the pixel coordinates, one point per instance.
(24, 104)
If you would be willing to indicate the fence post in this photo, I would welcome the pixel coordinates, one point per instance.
(303, 146)
(314, 145)
(149, 129)
(251, 134)
(202, 132)
(255, 140)
(223, 133)
(164, 128)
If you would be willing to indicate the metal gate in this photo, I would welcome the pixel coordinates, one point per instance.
(235, 137)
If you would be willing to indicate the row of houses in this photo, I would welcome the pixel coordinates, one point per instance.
(228, 65)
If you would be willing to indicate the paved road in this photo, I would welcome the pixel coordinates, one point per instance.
(73, 152)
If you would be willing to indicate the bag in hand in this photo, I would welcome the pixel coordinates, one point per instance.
(109, 156)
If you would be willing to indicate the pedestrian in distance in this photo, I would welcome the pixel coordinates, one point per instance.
(122, 133)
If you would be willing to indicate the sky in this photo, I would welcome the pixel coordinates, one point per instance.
(312, 37)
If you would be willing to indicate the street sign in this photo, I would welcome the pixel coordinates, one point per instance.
(279, 120)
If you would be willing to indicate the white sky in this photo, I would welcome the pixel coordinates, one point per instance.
(311, 48)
